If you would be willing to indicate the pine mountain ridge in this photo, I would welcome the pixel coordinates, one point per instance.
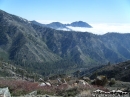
(60, 26)
(27, 43)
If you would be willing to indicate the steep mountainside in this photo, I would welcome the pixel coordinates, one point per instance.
(86, 47)
(119, 43)
(20, 42)
(120, 71)
(31, 45)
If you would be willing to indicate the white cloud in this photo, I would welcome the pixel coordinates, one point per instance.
(100, 28)
(104, 28)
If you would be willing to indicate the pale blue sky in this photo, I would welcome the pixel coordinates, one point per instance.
(91, 11)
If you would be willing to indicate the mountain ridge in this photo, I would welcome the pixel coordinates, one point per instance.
(32, 45)
(79, 24)
(18, 32)
(61, 26)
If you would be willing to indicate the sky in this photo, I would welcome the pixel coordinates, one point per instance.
(66, 11)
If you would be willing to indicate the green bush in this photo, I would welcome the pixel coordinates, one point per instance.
(100, 80)
(112, 81)
(71, 92)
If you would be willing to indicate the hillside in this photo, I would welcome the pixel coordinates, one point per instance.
(47, 50)
(9, 70)
(120, 71)
(86, 47)
(19, 41)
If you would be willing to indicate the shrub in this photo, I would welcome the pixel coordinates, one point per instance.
(70, 92)
(100, 80)
(112, 81)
